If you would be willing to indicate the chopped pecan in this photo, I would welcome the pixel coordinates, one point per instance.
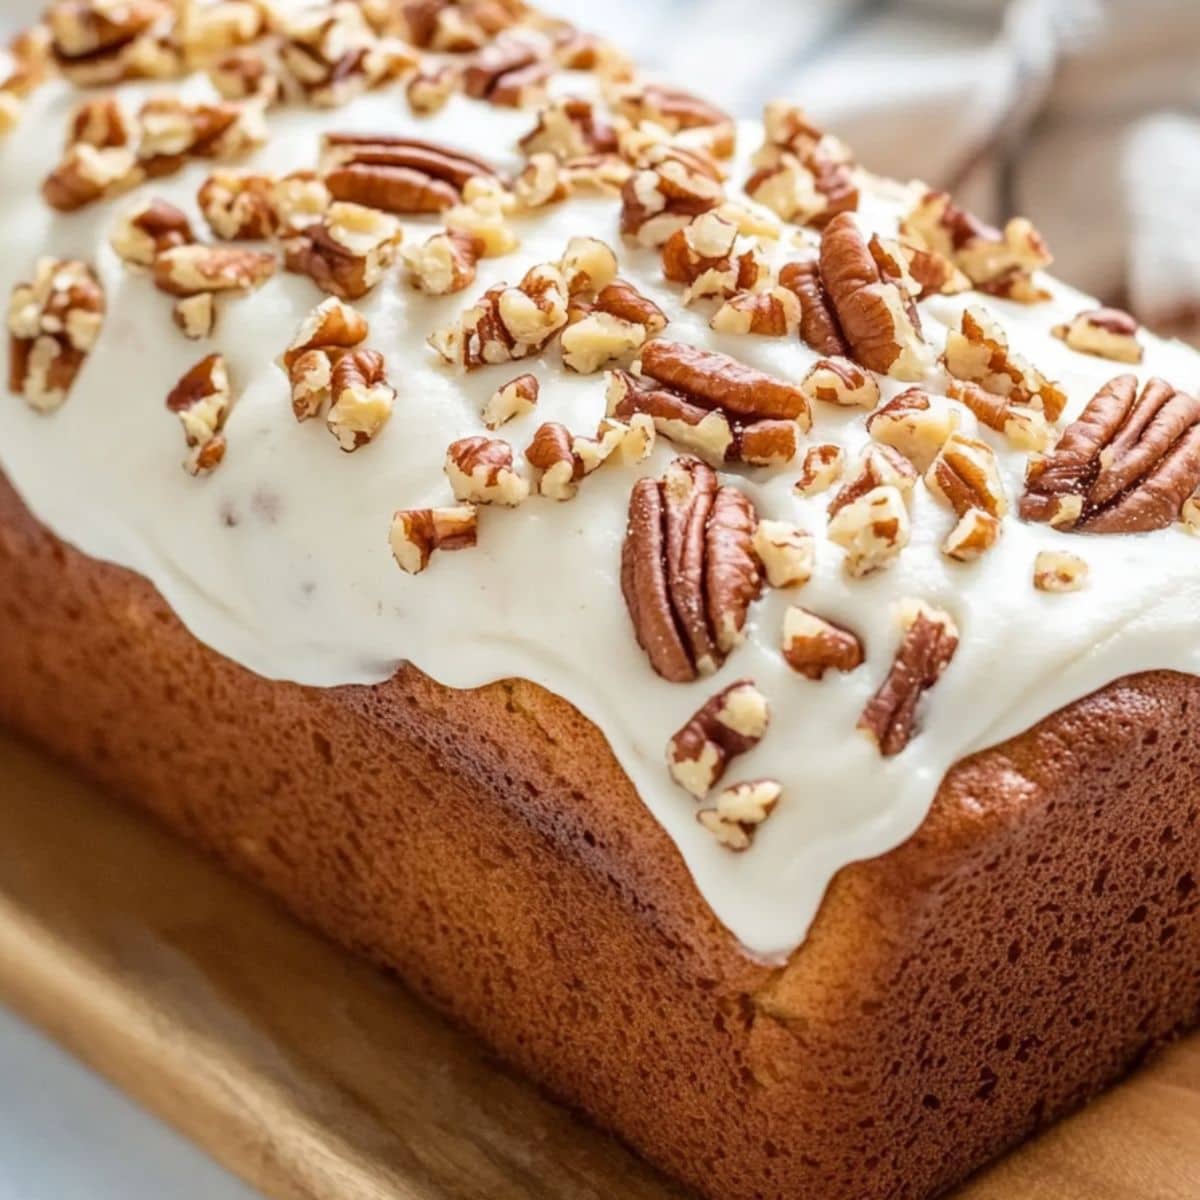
(186, 270)
(928, 642)
(333, 55)
(1059, 571)
(431, 87)
(973, 536)
(397, 174)
(914, 423)
(100, 122)
(873, 529)
(362, 397)
(1104, 332)
(444, 263)
(614, 324)
(839, 381)
(299, 199)
(999, 262)
(207, 31)
(786, 552)
(708, 433)
(978, 353)
(1125, 466)
(483, 215)
(516, 398)
(332, 326)
(201, 400)
(570, 127)
(560, 459)
(173, 130)
(507, 323)
(511, 71)
(820, 468)
(878, 466)
(97, 42)
(238, 206)
(706, 255)
(875, 312)
(245, 73)
(53, 323)
(542, 181)
(1189, 515)
(195, 316)
(480, 470)
(688, 569)
(456, 26)
(418, 532)
(87, 174)
(1025, 428)
(813, 645)
(588, 265)
(819, 326)
(148, 229)
(663, 197)
(739, 810)
(965, 475)
(675, 111)
(773, 313)
(347, 252)
(728, 725)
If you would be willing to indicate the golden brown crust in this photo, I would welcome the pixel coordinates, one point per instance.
(1037, 936)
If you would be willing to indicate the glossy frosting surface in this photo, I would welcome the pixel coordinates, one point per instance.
(280, 559)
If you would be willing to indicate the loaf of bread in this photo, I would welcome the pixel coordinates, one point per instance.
(732, 644)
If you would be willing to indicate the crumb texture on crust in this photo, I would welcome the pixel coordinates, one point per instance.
(1036, 938)
(757, 382)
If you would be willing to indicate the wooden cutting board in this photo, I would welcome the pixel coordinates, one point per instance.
(316, 1078)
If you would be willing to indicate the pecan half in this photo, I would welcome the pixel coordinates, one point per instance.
(480, 470)
(1104, 332)
(928, 642)
(511, 71)
(507, 323)
(1125, 466)
(417, 532)
(688, 569)
(187, 270)
(148, 229)
(1000, 262)
(819, 327)
(813, 645)
(54, 321)
(739, 810)
(347, 252)
(397, 174)
(729, 724)
(201, 400)
(977, 352)
(875, 312)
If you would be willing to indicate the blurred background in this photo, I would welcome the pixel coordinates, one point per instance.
(1082, 114)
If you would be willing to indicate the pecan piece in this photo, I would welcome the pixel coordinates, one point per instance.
(561, 460)
(516, 398)
(146, 231)
(588, 265)
(173, 131)
(362, 398)
(1059, 571)
(977, 352)
(614, 324)
(813, 645)
(507, 323)
(676, 111)
(569, 127)
(347, 252)
(878, 466)
(973, 536)
(728, 725)
(664, 196)
(1104, 332)
(417, 532)
(397, 174)
(239, 207)
(187, 270)
(839, 381)
(739, 810)
(54, 321)
(195, 316)
(101, 123)
(510, 71)
(875, 312)
(773, 313)
(688, 569)
(786, 552)
(873, 529)
(201, 399)
(331, 326)
(914, 423)
(999, 262)
(430, 89)
(965, 475)
(928, 642)
(481, 470)
(707, 256)
(1125, 466)
(820, 469)
(87, 174)
(95, 42)
(444, 263)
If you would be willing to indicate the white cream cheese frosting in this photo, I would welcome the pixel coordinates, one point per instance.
(280, 559)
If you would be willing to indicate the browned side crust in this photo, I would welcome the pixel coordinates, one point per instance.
(1036, 938)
